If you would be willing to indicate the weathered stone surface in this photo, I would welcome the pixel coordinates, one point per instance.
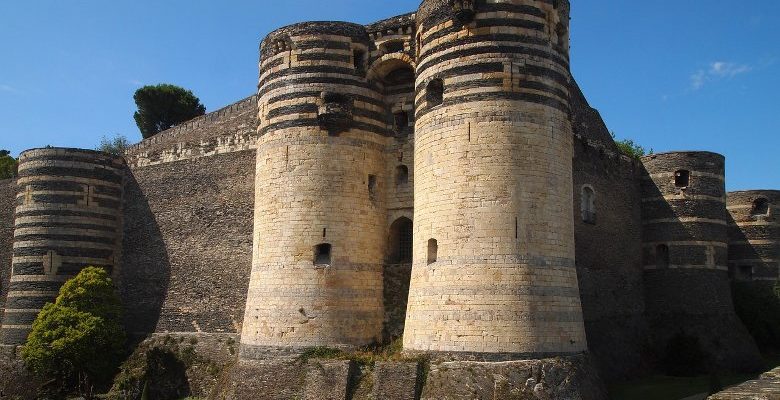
(16, 382)
(7, 206)
(327, 379)
(177, 366)
(569, 378)
(396, 380)
(273, 379)
(187, 244)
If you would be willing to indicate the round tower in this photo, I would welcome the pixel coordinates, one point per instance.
(685, 253)
(320, 217)
(754, 235)
(68, 216)
(493, 269)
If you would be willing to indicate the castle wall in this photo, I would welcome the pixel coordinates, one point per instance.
(187, 244)
(229, 129)
(685, 257)
(754, 235)
(494, 269)
(609, 258)
(68, 216)
(7, 206)
(321, 181)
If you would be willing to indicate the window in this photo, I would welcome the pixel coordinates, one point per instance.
(433, 251)
(395, 46)
(434, 92)
(682, 178)
(662, 256)
(401, 119)
(372, 186)
(588, 205)
(401, 241)
(760, 207)
(358, 58)
(401, 175)
(322, 254)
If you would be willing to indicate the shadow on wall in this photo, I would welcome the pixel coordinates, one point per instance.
(145, 271)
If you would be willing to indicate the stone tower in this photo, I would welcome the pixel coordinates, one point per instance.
(494, 270)
(68, 216)
(319, 213)
(754, 235)
(685, 239)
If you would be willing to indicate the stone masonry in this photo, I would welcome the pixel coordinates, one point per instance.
(437, 179)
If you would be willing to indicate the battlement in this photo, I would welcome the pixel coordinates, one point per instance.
(229, 129)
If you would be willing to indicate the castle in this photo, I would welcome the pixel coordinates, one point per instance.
(437, 176)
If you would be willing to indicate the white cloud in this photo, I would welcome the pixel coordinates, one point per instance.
(136, 82)
(8, 89)
(716, 71)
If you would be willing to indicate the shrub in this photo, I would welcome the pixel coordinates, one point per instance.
(78, 341)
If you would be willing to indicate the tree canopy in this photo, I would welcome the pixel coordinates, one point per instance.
(630, 148)
(78, 340)
(163, 106)
(115, 145)
(7, 165)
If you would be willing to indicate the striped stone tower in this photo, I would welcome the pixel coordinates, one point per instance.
(320, 214)
(685, 247)
(68, 216)
(493, 269)
(754, 235)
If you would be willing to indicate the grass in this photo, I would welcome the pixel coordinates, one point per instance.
(366, 356)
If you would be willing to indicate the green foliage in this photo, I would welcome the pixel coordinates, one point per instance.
(8, 165)
(78, 340)
(163, 106)
(758, 306)
(630, 148)
(116, 145)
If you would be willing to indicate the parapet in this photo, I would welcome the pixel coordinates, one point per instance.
(229, 129)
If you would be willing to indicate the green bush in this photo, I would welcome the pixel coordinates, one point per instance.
(8, 165)
(758, 306)
(78, 341)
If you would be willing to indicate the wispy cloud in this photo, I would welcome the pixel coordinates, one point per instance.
(717, 70)
(8, 89)
(136, 82)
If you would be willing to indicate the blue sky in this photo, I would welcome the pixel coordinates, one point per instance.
(671, 74)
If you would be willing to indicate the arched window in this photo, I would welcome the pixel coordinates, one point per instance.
(322, 254)
(434, 92)
(401, 175)
(433, 251)
(682, 178)
(401, 241)
(662, 256)
(588, 205)
(760, 207)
